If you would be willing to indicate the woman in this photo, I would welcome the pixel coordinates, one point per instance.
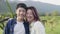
(36, 27)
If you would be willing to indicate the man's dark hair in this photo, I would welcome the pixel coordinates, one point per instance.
(21, 5)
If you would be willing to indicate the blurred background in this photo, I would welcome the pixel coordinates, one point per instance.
(49, 12)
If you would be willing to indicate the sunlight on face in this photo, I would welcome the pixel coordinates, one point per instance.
(29, 15)
(21, 12)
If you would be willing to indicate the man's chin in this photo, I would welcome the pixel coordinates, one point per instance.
(20, 17)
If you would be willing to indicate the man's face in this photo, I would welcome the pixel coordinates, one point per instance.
(20, 12)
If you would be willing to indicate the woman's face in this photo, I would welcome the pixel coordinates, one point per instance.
(29, 15)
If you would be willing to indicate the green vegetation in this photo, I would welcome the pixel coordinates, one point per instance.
(52, 25)
(51, 28)
(51, 22)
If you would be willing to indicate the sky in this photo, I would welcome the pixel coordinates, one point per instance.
(55, 2)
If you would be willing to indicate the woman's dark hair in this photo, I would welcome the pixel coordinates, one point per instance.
(34, 11)
(21, 5)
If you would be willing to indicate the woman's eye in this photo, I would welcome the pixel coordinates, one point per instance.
(23, 10)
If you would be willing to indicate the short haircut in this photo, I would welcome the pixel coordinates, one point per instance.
(21, 5)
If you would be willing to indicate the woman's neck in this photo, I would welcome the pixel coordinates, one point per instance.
(31, 21)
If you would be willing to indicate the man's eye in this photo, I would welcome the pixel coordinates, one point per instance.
(19, 10)
(24, 11)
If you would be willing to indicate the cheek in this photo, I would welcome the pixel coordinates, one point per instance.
(17, 12)
(30, 17)
(24, 14)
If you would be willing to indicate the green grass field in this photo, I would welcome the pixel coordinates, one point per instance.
(52, 26)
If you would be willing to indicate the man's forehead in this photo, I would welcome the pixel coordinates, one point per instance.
(21, 8)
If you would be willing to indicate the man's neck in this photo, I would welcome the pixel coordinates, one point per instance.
(19, 20)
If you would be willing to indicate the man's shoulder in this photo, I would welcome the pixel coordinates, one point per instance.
(11, 20)
(26, 23)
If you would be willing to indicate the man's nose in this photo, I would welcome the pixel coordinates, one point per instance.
(21, 12)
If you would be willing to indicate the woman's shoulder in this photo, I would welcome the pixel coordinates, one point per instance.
(38, 23)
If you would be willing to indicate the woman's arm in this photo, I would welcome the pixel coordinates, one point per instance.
(39, 28)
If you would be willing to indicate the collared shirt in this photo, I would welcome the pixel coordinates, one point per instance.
(37, 28)
(19, 28)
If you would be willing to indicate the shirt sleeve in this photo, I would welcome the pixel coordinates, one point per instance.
(39, 28)
(7, 27)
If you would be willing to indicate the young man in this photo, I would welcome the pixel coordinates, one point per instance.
(18, 25)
